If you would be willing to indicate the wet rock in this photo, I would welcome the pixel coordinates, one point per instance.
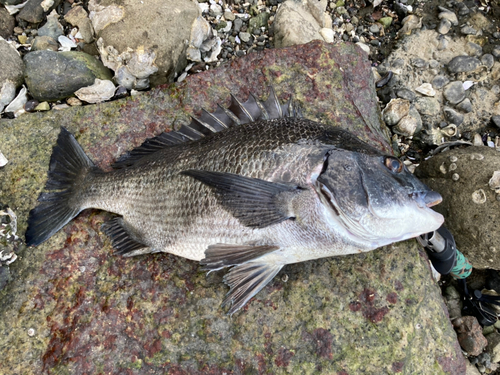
(78, 16)
(255, 23)
(470, 335)
(452, 116)
(57, 75)
(395, 110)
(440, 81)
(487, 60)
(454, 92)
(427, 106)
(161, 312)
(52, 27)
(444, 27)
(293, 24)
(474, 228)
(465, 105)
(34, 12)
(7, 23)
(155, 31)
(461, 64)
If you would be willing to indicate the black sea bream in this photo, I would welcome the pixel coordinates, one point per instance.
(254, 188)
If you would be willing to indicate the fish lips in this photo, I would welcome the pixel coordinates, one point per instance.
(428, 198)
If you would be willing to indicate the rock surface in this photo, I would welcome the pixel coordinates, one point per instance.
(135, 24)
(75, 308)
(469, 205)
(11, 73)
(56, 75)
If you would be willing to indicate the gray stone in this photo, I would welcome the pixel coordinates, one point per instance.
(42, 43)
(473, 49)
(33, 11)
(57, 75)
(463, 10)
(474, 223)
(496, 51)
(245, 37)
(12, 65)
(374, 28)
(229, 16)
(7, 23)
(293, 24)
(452, 116)
(155, 31)
(444, 26)
(496, 120)
(238, 22)
(440, 81)
(448, 15)
(454, 92)
(461, 64)
(488, 60)
(417, 62)
(468, 30)
(78, 16)
(52, 27)
(406, 94)
(465, 105)
(159, 313)
(433, 64)
(427, 106)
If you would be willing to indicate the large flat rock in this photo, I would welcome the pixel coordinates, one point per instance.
(74, 308)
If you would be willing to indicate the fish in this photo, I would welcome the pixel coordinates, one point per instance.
(252, 187)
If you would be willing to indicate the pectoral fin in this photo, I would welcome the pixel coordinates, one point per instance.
(122, 237)
(245, 281)
(254, 202)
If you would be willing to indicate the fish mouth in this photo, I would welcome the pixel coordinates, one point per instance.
(426, 198)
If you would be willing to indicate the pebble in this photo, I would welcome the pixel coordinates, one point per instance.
(463, 10)
(496, 51)
(427, 106)
(229, 16)
(468, 30)
(461, 64)
(419, 63)
(453, 116)
(454, 92)
(488, 60)
(52, 27)
(440, 81)
(44, 43)
(406, 94)
(43, 106)
(374, 29)
(444, 27)
(465, 105)
(245, 37)
(31, 105)
(73, 102)
(448, 15)
(7, 23)
(496, 120)
(473, 49)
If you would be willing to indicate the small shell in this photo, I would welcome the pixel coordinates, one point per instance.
(395, 110)
(494, 182)
(426, 89)
(17, 105)
(406, 126)
(100, 91)
(479, 196)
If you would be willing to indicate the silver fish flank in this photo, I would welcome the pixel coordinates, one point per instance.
(253, 187)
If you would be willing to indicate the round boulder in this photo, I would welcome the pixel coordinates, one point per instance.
(57, 75)
(11, 74)
(467, 181)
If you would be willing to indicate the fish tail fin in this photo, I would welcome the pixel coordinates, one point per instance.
(68, 167)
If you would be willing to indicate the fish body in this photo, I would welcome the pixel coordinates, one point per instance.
(254, 188)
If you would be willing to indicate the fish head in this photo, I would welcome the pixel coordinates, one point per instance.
(375, 199)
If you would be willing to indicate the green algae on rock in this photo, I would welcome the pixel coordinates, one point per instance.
(74, 308)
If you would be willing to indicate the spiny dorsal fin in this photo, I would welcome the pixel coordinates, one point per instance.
(208, 123)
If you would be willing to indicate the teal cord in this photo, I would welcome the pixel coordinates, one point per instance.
(462, 268)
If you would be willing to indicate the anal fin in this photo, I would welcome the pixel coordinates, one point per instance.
(225, 255)
(247, 280)
(121, 238)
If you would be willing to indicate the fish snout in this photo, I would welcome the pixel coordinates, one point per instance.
(427, 198)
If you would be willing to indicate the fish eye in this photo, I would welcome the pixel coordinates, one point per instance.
(393, 164)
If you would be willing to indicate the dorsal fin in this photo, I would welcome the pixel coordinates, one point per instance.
(208, 123)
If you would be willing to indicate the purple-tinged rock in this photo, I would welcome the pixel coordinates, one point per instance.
(470, 335)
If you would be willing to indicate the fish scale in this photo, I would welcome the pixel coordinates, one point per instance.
(254, 190)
